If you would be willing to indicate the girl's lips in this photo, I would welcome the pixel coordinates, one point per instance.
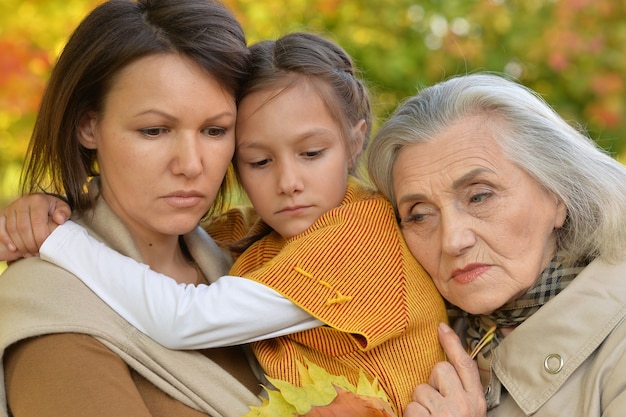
(469, 273)
(293, 210)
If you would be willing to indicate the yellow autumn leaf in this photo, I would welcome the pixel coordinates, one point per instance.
(319, 389)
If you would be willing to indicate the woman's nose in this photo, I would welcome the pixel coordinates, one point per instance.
(187, 160)
(457, 233)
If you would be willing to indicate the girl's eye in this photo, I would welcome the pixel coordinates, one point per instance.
(153, 132)
(259, 164)
(313, 154)
(214, 131)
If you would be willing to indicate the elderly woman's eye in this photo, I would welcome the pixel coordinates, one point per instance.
(414, 218)
(478, 198)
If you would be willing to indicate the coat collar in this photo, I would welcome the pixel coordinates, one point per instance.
(569, 328)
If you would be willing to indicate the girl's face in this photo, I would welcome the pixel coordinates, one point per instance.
(482, 227)
(164, 140)
(291, 157)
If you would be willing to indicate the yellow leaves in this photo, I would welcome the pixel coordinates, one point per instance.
(323, 394)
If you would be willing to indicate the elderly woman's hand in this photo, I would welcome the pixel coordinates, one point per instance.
(27, 222)
(454, 388)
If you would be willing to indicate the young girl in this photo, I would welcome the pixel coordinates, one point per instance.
(324, 241)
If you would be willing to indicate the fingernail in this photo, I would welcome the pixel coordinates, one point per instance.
(444, 328)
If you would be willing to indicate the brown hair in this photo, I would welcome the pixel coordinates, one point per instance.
(306, 57)
(301, 56)
(113, 35)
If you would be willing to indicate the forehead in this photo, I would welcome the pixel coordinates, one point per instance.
(297, 111)
(467, 146)
(165, 78)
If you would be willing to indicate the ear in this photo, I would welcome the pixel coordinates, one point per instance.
(86, 130)
(356, 145)
(561, 214)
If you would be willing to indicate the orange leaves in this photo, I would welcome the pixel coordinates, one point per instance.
(350, 404)
(22, 76)
(323, 395)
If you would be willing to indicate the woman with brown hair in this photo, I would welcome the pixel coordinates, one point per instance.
(136, 129)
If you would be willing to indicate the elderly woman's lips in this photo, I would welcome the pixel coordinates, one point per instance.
(469, 273)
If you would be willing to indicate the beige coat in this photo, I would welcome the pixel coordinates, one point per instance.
(584, 326)
(39, 298)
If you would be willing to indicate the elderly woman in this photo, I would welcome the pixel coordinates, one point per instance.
(520, 220)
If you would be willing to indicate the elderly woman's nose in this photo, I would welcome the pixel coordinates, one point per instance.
(457, 237)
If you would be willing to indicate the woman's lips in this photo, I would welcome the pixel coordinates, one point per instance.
(183, 199)
(469, 273)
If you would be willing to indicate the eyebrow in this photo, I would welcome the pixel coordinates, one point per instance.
(312, 133)
(171, 117)
(461, 182)
(468, 177)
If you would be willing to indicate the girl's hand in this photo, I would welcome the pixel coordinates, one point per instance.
(26, 223)
(454, 388)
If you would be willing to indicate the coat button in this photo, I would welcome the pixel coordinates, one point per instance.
(553, 363)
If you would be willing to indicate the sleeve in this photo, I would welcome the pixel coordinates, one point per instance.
(70, 375)
(231, 311)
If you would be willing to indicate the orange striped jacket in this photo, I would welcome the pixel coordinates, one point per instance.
(353, 271)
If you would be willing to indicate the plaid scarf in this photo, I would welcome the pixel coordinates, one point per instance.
(551, 282)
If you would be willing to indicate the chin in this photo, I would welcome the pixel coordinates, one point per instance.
(477, 309)
(180, 228)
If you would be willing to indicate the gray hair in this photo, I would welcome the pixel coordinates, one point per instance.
(534, 137)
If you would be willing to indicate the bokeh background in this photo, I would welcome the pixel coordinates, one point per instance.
(573, 52)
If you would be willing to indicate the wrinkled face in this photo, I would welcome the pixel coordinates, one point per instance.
(291, 157)
(164, 140)
(480, 226)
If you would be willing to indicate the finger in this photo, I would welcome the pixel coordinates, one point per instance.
(8, 251)
(5, 239)
(13, 232)
(42, 208)
(415, 409)
(60, 212)
(19, 226)
(7, 254)
(425, 400)
(445, 395)
(464, 365)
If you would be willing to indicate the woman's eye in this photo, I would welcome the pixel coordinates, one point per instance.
(478, 198)
(414, 218)
(214, 131)
(153, 132)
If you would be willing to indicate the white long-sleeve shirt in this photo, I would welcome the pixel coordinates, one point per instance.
(230, 311)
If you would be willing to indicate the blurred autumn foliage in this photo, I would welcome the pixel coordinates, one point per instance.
(571, 51)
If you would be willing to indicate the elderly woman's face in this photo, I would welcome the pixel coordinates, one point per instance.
(479, 225)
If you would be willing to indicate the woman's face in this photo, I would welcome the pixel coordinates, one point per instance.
(480, 225)
(164, 140)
